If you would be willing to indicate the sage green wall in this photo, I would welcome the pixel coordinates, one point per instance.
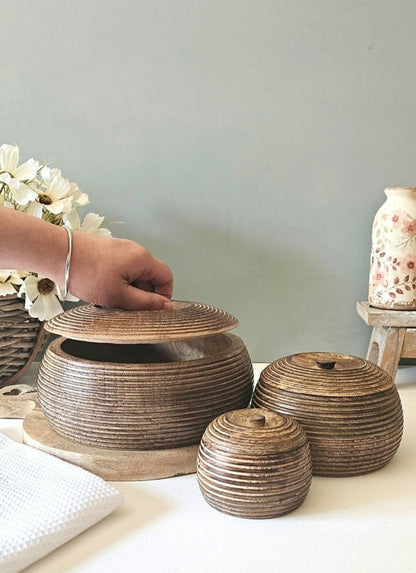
(245, 142)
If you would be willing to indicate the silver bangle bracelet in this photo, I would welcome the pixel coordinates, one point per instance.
(64, 294)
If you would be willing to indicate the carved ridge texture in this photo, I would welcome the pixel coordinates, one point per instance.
(186, 320)
(350, 409)
(144, 406)
(254, 463)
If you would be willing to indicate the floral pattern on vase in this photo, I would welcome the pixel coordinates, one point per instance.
(392, 282)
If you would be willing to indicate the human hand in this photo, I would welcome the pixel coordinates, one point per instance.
(118, 273)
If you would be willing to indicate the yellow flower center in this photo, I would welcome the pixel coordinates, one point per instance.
(44, 199)
(45, 286)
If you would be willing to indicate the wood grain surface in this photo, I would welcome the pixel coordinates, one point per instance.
(349, 408)
(140, 397)
(381, 317)
(17, 400)
(254, 463)
(112, 465)
(186, 320)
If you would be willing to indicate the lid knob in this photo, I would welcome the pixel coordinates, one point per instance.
(326, 364)
(255, 420)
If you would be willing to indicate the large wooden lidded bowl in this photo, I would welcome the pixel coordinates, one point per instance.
(142, 380)
(254, 463)
(349, 408)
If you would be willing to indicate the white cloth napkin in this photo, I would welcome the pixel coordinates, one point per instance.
(44, 502)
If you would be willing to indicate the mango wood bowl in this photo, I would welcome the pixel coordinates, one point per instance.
(349, 408)
(138, 380)
(254, 463)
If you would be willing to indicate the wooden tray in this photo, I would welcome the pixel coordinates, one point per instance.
(111, 465)
(17, 400)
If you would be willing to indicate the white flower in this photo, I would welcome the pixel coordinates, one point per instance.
(41, 297)
(13, 175)
(55, 198)
(8, 278)
(90, 224)
(48, 173)
(79, 198)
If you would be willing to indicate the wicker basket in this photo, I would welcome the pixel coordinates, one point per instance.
(21, 338)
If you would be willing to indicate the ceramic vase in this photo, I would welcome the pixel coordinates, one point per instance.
(392, 283)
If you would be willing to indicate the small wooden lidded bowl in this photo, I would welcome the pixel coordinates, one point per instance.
(142, 380)
(349, 408)
(254, 463)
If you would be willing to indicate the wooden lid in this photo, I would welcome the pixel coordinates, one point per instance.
(186, 320)
(327, 374)
(254, 432)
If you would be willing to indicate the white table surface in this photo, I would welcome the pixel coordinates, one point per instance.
(361, 524)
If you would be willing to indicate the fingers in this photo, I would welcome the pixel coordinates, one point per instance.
(138, 299)
(157, 277)
(119, 273)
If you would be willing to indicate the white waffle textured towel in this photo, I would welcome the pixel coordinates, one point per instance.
(45, 502)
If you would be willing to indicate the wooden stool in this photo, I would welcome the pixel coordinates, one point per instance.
(393, 336)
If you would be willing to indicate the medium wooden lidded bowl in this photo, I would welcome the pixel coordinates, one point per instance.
(349, 408)
(142, 380)
(254, 463)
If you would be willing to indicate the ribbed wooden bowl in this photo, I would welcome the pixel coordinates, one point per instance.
(254, 463)
(349, 408)
(142, 396)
